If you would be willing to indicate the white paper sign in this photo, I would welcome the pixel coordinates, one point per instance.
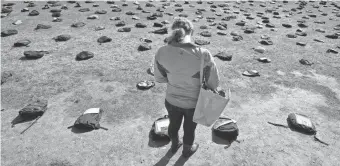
(303, 120)
(161, 127)
(92, 111)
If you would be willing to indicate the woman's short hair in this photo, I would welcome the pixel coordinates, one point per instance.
(180, 28)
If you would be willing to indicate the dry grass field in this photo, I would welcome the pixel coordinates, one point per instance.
(108, 80)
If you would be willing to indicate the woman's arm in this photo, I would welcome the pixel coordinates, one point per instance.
(160, 73)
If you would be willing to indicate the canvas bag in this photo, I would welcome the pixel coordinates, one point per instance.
(209, 105)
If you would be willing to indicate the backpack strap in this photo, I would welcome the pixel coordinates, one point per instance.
(280, 125)
(31, 124)
(104, 128)
(317, 139)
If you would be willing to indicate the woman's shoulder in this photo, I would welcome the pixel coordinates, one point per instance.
(206, 53)
(204, 50)
(197, 47)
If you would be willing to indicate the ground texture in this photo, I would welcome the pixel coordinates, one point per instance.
(109, 81)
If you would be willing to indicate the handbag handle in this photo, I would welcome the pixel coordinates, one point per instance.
(202, 78)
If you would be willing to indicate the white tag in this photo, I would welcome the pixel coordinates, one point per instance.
(92, 111)
(224, 123)
(303, 120)
(227, 122)
(161, 127)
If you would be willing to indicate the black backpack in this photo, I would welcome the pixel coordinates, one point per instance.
(225, 128)
(89, 120)
(301, 123)
(34, 109)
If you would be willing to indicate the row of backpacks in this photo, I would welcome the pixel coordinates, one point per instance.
(87, 121)
(226, 129)
(223, 128)
(90, 120)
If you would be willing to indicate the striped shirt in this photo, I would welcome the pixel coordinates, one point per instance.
(178, 65)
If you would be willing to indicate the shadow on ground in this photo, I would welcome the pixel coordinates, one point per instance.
(159, 142)
(221, 141)
(60, 163)
(20, 119)
(166, 158)
(79, 130)
(181, 161)
(27, 59)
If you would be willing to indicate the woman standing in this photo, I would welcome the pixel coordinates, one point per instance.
(178, 65)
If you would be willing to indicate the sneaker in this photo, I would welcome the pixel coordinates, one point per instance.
(189, 150)
(175, 147)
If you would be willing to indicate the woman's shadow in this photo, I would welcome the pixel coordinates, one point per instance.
(166, 158)
(181, 161)
(156, 142)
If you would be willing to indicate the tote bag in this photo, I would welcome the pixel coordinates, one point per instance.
(209, 105)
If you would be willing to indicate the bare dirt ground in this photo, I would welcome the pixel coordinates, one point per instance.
(109, 81)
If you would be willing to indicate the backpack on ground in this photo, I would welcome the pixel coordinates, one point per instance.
(159, 130)
(301, 123)
(225, 128)
(34, 109)
(89, 119)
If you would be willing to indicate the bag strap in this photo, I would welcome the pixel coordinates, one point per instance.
(202, 78)
(201, 68)
(277, 124)
(31, 124)
(104, 128)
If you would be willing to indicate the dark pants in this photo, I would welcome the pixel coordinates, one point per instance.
(176, 115)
